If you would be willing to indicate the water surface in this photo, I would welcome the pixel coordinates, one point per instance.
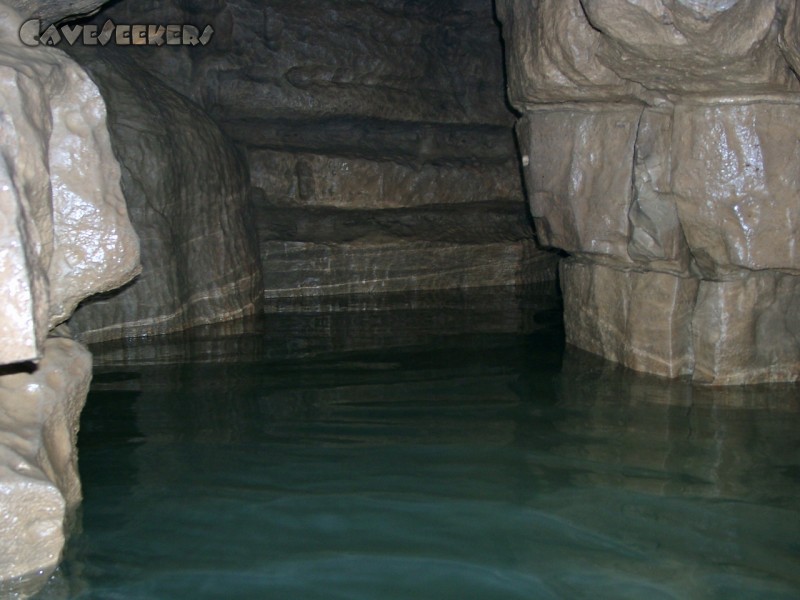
(449, 449)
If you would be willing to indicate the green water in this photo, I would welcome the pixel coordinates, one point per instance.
(425, 453)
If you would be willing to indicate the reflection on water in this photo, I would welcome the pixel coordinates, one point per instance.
(303, 457)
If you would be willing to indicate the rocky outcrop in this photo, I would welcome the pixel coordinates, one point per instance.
(661, 150)
(39, 486)
(359, 106)
(64, 235)
(65, 228)
(187, 192)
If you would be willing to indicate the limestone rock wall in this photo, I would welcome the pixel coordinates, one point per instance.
(187, 193)
(39, 484)
(64, 224)
(64, 236)
(661, 149)
(348, 108)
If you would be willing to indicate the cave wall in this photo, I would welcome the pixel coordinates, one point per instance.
(661, 149)
(65, 234)
(364, 125)
(187, 192)
(372, 144)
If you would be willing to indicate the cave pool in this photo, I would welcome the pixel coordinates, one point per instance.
(424, 446)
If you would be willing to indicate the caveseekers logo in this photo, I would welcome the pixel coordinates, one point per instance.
(31, 34)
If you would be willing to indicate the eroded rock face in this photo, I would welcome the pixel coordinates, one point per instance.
(39, 485)
(747, 330)
(64, 235)
(736, 179)
(612, 50)
(65, 229)
(361, 107)
(426, 62)
(670, 173)
(186, 188)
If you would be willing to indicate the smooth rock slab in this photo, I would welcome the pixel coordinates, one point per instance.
(472, 223)
(747, 330)
(639, 319)
(39, 486)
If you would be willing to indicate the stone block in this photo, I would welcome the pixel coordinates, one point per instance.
(24, 312)
(579, 173)
(618, 50)
(639, 319)
(656, 235)
(747, 330)
(679, 46)
(736, 176)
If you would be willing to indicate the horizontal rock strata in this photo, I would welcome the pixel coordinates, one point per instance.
(186, 188)
(640, 319)
(318, 269)
(359, 108)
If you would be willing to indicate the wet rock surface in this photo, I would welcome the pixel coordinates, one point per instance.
(39, 486)
(65, 235)
(391, 60)
(359, 108)
(640, 319)
(186, 188)
(659, 145)
(65, 231)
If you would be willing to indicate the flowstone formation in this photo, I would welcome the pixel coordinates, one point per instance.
(64, 235)
(661, 149)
